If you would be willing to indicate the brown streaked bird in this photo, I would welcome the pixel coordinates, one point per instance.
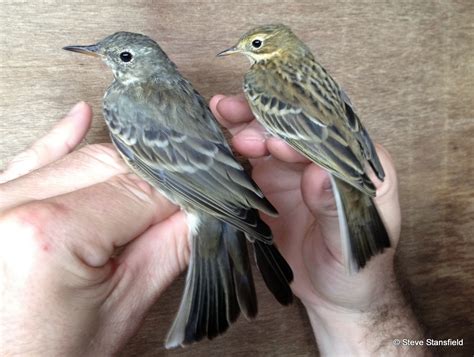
(166, 133)
(297, 100)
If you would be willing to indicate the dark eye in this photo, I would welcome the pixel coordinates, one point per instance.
(256, 43)
(126, 56)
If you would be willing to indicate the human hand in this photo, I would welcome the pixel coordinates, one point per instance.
(342, 308)
(62, 216)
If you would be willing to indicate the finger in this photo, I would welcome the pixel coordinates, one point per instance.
(167, 243)
(90, 223)
(387, 198)
(250, 141)
(254, 142)
(317, 192)
(318, 197)
(82, 168)
(250, 138)
(143, 271)
(276, 179)
(279, 149)
(232, 111)
(389, 186)
(61, 140)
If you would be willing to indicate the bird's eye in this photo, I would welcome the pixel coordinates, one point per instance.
(126, 56)
(256, 43)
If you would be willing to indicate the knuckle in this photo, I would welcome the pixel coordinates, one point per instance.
(40, 149)
(22, 163)
(56, 140)
(30, 154)
(132, 186)
(36, 220)
(105, 154)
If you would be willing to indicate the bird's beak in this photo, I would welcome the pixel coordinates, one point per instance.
(92, 50)
(229, 51)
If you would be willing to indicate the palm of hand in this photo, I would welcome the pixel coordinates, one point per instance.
(302, 234)
(306, 229)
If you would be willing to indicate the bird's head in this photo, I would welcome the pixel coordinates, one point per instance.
(131, 56)
(267, 42)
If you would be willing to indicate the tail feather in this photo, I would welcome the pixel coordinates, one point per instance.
(363, 232)
(276, 272)
(219, 284)
(242, 275)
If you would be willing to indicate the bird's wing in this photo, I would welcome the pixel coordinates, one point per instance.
(362, 136)
(172, 140)
(306, 108)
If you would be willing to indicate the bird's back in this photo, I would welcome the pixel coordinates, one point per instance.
(167, 133)
(299, 101)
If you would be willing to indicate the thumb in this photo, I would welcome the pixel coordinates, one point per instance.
(142, 272)
(318, 197)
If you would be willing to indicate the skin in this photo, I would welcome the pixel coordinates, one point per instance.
(62, 288)
(351, 314)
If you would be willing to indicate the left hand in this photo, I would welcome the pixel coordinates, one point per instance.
(62, 216)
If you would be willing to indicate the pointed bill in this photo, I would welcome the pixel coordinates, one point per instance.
(229, 51)
(91, 50)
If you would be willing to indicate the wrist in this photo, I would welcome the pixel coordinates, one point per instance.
(341, 331)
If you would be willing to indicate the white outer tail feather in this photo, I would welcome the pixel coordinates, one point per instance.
(175, 335)
(349, 262)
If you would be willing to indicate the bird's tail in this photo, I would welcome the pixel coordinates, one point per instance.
(363, 232)
(219, 284)
(275, 271)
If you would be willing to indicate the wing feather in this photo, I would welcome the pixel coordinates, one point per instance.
(314, 116)
(188, 157)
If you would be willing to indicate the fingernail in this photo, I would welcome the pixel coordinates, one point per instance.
(218, 98)
(75, 109)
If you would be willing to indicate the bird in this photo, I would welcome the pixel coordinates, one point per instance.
(165, 132)
(295, 99)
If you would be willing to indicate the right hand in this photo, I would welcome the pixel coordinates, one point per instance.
(350, 314)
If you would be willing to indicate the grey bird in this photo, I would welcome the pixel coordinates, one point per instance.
(166, 133)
